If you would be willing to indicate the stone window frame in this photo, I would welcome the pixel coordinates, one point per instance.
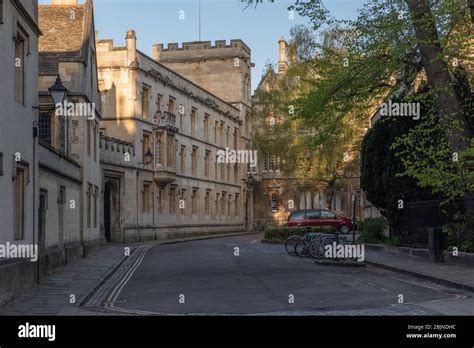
(236, 173)
(194, 161)
(193, 120)
(89, 138)
(182, 196)
(146, 194)
(207, 203)
(207, 164)
(20, 38)
(45, 128)
(274, 201)
(89, 205)
(236, 138)
(170, 150)
(207, 117)
(217, 203)
(148, 137)
(237, 204)
(194, 201)
(96, 205)
(171, 104)
(223, 203)
(145, 101)
(20, 172)
(95, 134)
(182, 159)
(172, 199)
(159, 102)
(160, 195)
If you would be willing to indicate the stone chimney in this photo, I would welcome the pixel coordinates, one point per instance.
(157, 48)
(283, 61)
(131, 44)
(65, 2)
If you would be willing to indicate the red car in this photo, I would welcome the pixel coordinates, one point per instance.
(319, 217)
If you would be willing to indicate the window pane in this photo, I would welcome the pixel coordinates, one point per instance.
(328, 215)
(313, 215)
(44, 125)
(297, 215)
(19, 68)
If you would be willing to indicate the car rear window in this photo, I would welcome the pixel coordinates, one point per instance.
(328, 215)
(297, 215)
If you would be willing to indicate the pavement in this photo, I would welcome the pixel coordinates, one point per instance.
(80, 278)
(458, 276)
(209, 275)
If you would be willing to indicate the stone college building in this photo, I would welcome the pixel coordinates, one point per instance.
(103, 143)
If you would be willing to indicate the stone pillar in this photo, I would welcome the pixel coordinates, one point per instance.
(283, 61)
(132, 60)
(435, 244)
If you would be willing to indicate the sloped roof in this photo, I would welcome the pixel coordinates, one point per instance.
(66, 33)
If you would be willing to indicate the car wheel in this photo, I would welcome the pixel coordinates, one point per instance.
(344, 229)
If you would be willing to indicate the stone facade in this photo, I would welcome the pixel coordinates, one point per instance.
(223, 69)
(18, 148)
(276, 195)
(149, 108)
(69, 167)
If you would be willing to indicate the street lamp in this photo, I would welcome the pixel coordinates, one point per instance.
(58, 92)
(148, 157)
(250, 182)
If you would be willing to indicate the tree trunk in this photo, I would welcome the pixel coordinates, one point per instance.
(446, 102)
(329, 197)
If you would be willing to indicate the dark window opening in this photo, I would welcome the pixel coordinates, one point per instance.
(44, 123)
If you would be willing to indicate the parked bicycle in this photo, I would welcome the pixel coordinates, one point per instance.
(311, 244)
(298, 245)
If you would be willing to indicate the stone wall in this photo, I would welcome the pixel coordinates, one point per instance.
(17, 145)
(125, 75)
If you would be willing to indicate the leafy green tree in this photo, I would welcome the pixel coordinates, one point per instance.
(425, 152)
(386, 50)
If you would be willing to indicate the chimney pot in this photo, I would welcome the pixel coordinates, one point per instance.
(130, 35)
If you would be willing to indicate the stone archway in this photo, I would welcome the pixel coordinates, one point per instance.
(111, 209)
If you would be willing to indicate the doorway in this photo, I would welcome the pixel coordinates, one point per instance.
(111, 210)
(107, 203)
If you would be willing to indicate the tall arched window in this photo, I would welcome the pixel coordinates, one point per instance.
(158, 152)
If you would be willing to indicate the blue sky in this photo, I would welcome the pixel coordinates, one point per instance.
(158, 21)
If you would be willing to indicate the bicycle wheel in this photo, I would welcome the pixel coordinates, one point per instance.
(290, 244)
(325, 241)
(316, 249)
(302, 248)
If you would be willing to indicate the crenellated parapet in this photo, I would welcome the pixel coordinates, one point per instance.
(116, 151)
(201, 50)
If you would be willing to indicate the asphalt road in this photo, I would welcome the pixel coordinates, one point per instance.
(263, 279)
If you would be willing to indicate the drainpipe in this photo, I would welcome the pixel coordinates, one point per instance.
(35, 137)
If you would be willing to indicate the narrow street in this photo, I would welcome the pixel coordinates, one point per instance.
(205, 277)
